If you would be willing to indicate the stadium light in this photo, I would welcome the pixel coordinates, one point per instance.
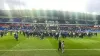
(6, 6)
(88, 12)
(94, 13)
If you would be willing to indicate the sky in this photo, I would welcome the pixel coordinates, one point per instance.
(89, 6)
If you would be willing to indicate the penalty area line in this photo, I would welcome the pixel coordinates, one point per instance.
(52, 50)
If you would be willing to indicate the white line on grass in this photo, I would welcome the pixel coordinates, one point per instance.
(53, 50)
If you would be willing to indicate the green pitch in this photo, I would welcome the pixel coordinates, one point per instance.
(88, 46)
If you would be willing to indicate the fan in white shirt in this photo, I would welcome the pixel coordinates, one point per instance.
(62, 46)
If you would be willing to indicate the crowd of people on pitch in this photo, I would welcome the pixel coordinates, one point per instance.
(78, 34)
(3, 33)
(12, 33)
(43, 34)
(56, 35)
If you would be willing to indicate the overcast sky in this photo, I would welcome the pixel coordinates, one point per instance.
(71, 5)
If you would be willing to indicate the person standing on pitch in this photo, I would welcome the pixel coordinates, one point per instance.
(11, 33)
(42, 35)
(62, 47)
(2, 33)
(16, 36)
(59, 45)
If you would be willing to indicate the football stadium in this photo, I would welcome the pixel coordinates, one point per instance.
(49, 28)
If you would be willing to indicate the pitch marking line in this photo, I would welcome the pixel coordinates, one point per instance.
(53, 50)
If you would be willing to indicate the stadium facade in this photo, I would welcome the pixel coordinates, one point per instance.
(53, 19)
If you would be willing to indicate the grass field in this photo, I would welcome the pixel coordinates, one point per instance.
(88, 46)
